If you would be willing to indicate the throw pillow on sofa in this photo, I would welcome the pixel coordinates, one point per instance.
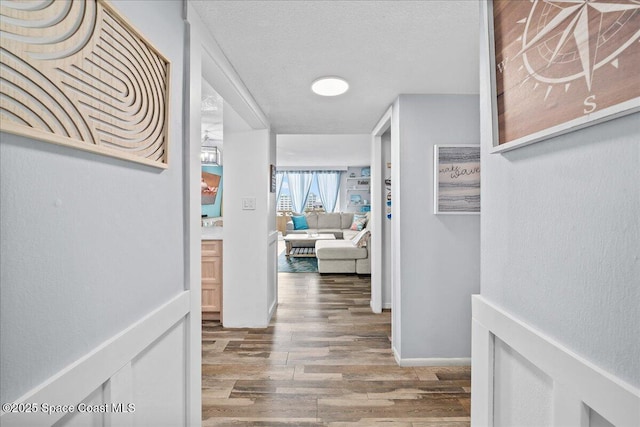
(299, 223)
(360, 239)
(359, 222)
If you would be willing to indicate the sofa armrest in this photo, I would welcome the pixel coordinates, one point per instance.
(288, 228)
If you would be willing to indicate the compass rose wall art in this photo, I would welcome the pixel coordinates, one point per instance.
(561, 65)
(76, 73)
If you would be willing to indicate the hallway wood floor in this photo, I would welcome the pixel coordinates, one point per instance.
(325, 360)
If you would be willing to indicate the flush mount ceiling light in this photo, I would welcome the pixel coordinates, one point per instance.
(329, 86)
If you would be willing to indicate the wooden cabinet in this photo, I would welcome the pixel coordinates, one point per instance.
(212, 279)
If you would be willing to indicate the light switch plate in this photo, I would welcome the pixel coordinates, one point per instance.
(248, 203)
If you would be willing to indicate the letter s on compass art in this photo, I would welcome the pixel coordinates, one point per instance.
(564, 61)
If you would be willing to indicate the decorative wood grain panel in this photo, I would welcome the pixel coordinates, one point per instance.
(76, 73)
(562, 65)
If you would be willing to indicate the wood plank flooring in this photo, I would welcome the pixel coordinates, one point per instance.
(325, 360)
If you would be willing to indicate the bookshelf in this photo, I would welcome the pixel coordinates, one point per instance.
(358, 189)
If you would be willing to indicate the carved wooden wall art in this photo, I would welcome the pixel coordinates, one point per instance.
(562, 65)
(76, 73)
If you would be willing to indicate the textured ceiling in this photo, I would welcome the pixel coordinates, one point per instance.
(383, 48)
(211, 114)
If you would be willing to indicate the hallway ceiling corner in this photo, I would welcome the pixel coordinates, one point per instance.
(383, 48)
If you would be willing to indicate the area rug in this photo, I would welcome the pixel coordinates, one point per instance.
(297, 265)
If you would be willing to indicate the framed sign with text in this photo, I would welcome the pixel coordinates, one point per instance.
(456, 179)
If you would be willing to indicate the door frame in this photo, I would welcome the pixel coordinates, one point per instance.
(377, 183)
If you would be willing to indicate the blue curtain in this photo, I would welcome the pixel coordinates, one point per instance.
(279, 179)
(299, 186)
(329, 186)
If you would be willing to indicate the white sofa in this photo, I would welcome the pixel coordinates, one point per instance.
(337, 223)
(335, 256)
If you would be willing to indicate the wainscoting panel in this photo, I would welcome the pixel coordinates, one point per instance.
(516, 370)
(86, 419)
(121, 371)
(523, 394)
(160, 399)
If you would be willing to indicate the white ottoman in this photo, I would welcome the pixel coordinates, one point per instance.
(342, 256)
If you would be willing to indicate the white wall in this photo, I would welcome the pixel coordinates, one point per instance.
(90, 244)
(561, 244)
(563, 254)
(440, 254)
(323, 150)
(561, 239)
(249, 254)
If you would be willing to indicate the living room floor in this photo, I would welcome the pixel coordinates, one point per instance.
(325, 360)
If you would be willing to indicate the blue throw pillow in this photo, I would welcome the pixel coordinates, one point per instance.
(300, 223)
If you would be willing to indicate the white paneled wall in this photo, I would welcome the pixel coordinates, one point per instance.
(523, 394)
(521, 377)
(142, 368)
(158, 382)
(93, 305)
(86, 419)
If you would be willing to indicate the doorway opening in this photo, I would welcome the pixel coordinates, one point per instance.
(211, 199)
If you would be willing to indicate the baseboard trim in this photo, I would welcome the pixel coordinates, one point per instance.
(396, 354)
(385, 306)
(73, 383)
(574, 378)
(430, 361)
(435, 361)
(272, 310)
(372, 307)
